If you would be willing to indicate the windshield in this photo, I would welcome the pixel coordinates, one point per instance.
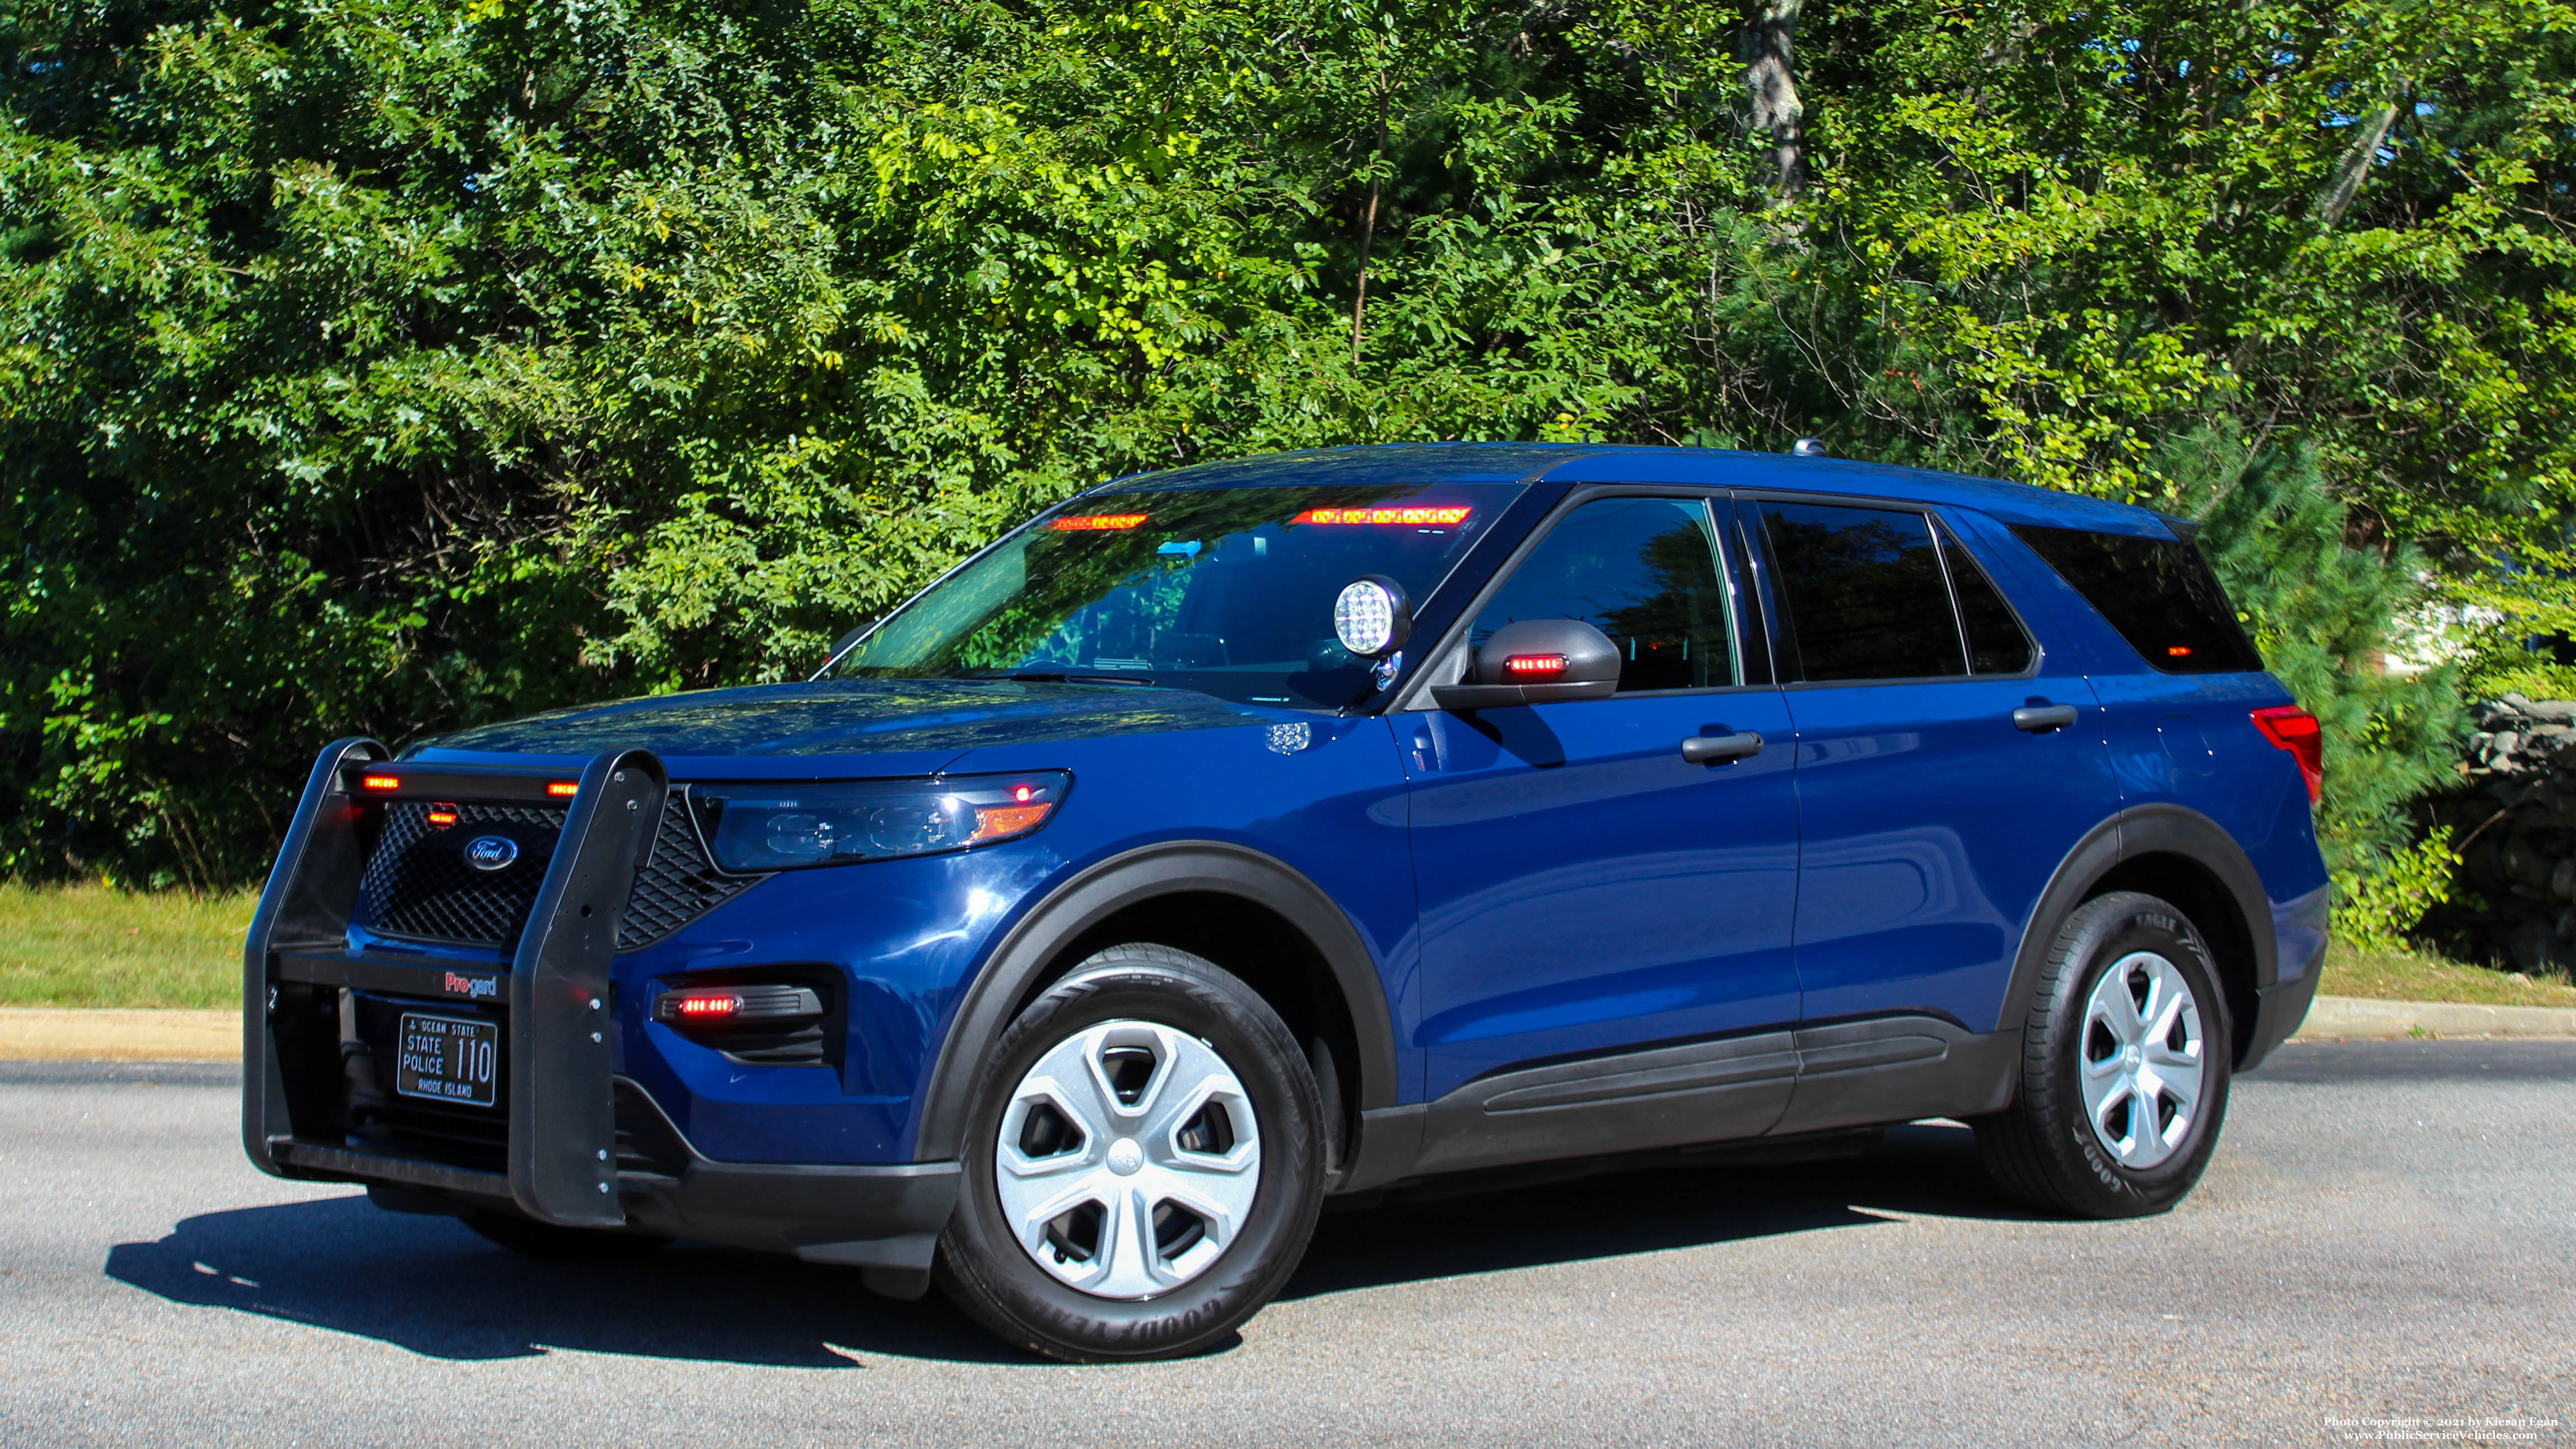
(1226, 591)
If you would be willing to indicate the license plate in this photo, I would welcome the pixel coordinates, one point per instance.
(448, 1059)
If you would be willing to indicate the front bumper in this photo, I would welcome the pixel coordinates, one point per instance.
(567, 1142)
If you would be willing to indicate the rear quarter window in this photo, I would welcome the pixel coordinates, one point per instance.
(2158, 592)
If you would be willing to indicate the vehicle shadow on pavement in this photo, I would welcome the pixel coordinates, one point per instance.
(1924, 1169)
(429, 1285)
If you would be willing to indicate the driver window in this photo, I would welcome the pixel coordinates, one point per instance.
(1641, 570)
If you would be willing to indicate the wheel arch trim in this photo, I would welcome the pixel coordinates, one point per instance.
(2132, 835)
(1129, 879)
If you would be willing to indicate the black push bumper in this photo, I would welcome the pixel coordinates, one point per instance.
(562, 1136)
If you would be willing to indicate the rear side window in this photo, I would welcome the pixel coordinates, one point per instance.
(1997, 643)
(1863, 592)
(2158, 592)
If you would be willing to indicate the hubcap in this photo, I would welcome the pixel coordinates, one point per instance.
(1128, 1159)
(2143, 1063)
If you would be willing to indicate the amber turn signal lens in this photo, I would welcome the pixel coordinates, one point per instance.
(1000, 822)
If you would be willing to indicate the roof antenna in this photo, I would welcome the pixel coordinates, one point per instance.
(1808, 448)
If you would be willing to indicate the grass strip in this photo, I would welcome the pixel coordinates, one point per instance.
(94, 945)
(2414, 976)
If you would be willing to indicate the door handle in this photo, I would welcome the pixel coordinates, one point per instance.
(2039, 719)
(1720, 749)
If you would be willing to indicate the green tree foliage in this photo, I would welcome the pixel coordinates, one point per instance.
(2321, 613)
(387, 365)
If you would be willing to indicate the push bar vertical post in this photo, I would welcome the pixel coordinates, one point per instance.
(563, 1127)
(311, 892)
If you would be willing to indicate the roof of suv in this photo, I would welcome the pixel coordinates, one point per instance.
(1432, 463)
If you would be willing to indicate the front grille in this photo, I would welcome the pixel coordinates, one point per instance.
(418, 884)
(419, 887)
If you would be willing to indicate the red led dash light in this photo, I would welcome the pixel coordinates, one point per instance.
(1528, 666)
(1095, 522)
(2296, 731)
(563, 789)
(1425, 515)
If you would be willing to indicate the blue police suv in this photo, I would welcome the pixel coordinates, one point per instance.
(1306, 826)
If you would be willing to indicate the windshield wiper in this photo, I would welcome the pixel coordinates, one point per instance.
(1057, 676)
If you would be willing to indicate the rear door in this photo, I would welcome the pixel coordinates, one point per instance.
(1948, 758)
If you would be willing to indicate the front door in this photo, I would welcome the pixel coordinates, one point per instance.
(1585, 890)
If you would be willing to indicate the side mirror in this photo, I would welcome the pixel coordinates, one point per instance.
(1537, 661)
(1372, 617)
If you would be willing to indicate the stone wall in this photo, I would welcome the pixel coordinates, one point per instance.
(2515, 824)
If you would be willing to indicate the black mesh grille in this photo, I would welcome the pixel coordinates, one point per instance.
(419, 887)
(679, 885)
(418, 884)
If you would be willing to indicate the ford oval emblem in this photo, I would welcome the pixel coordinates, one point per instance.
(491, 852)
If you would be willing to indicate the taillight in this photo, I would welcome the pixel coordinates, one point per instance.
(2293, 729)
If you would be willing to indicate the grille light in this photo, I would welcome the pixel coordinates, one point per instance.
(442, 816)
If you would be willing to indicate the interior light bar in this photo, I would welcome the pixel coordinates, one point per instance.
(1095, 522)
(1439, 515)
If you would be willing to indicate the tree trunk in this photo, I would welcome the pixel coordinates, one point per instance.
(1368, 226)
(2353, 167)
(1772, 79)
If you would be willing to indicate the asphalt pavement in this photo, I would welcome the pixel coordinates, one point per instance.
(2385, 1248)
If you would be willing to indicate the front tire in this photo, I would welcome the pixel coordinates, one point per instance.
(1143, 1166)
(2125, 1063)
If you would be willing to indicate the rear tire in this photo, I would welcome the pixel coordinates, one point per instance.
(1143, 1166)
(555, 1244)
(2124, 1071)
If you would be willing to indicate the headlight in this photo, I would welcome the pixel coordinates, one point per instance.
(784, 827)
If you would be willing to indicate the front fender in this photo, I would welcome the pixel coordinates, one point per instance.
(1021, 961)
